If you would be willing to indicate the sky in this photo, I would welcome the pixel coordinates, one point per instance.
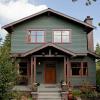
(12, 10)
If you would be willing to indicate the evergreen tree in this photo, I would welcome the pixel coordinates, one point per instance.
(98, 65)
(98, 52)
(8, 71)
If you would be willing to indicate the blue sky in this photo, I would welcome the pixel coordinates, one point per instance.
(11, 10)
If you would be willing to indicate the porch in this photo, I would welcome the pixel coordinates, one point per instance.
(48, 65)
(44, 70)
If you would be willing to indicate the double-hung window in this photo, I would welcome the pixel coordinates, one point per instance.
(36, 36)
(61, 36)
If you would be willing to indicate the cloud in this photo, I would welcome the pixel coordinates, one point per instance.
(15, 10)
(11, 10)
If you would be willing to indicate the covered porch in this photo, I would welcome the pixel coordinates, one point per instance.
(46, 65)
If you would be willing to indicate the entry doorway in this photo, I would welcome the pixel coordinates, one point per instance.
(50, 74)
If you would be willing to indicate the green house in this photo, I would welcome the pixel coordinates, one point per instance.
(53, 47)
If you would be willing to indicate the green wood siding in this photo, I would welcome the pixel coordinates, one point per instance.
(78, 36)
(75, 80)
(91, 78)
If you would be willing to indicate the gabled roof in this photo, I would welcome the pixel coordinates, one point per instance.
(52, 11)
(49, 45)
(42, 47)
(69, 52)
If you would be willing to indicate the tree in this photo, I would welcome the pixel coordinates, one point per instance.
(98, 64)
(0, 38)
(88, 2)
(8, 71)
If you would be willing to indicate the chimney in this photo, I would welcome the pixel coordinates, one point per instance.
(90, 43)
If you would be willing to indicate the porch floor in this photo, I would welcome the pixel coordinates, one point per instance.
(21, 88)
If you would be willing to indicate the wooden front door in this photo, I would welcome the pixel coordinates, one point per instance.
(50, 74)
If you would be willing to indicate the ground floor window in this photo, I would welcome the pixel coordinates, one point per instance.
(22, 79)
(76, 68)
(79, 68)
(23, 68)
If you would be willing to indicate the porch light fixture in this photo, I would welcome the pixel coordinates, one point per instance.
(43, 53)
(39, 63)
(56, 53)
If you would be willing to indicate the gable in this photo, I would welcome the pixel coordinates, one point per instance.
(50, 12)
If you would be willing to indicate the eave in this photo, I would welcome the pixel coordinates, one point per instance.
(88, 26)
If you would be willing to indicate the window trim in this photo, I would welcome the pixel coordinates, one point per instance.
(61, 36)
(81, 75)
(87, 69)
(29, 33)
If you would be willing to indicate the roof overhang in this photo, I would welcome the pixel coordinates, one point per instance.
(66, 51)
(42, 47)
(93, 54)
(88, 26)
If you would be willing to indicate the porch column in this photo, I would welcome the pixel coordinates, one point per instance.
(28, 73)
(31, 69)
(34, 69)
(68, 69)
(65, 69)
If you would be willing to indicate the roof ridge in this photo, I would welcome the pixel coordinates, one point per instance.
(43, 11)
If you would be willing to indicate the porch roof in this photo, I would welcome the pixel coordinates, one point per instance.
(66, 51)
(42, 47)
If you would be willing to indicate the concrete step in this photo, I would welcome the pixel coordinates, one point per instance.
(49, 88)
(49, 99)
(49, 93)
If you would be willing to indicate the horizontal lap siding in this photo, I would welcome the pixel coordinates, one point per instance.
(91, 78)
(78, 37)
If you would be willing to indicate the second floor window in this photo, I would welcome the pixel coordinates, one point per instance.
(61, 36)
(36, 36)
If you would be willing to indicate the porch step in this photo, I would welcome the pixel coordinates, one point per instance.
(49, 95)
(48, 88)
(49, 92)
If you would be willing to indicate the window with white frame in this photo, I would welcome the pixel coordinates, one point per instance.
(36, 36)
(61, 36)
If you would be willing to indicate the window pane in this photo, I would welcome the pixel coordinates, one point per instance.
(33, 33)
(76, 71)
(57, 33)
(57, 36)
(65, 33)
(65, 39)
(40, 38)
(76, 68)
(57, 39)
(40, 33)
(23, 68)
(85, 68)
(33, 38)
(84, 71)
